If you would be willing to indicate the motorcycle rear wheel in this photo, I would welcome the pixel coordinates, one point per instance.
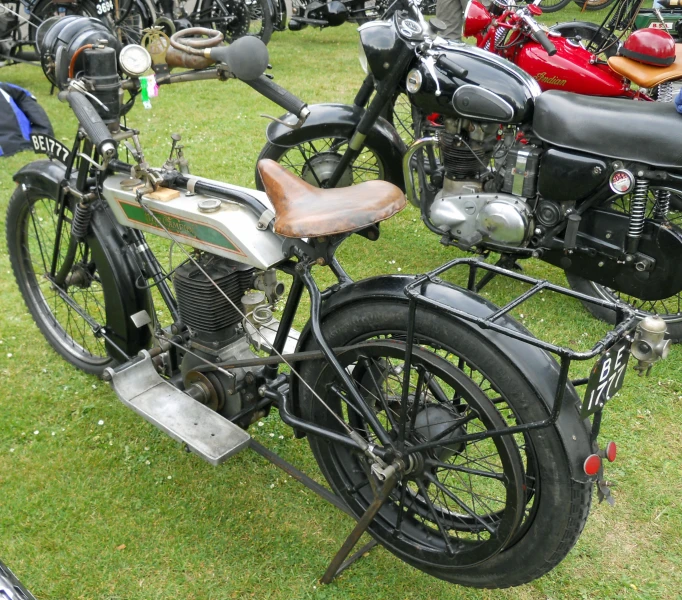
(32, 227)
(593, 4)
(669, 309)
(554, 512)
(550, 6)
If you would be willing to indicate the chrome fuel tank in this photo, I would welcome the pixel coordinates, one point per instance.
(230, 231)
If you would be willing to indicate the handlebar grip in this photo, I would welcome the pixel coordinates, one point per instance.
(91, 122)
(452, 66)
(544, 41)
(278, 95)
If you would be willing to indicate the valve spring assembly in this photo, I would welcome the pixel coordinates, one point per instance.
(638, 209)
(662, 204)
(666, 93)
(81, 221)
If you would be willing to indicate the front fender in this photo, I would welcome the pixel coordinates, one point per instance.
(117, 269)
(341, 120)
(537, 367)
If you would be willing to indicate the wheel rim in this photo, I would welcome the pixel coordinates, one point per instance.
(37, 231)
(315, 161)
(464, 503)
(669, 309)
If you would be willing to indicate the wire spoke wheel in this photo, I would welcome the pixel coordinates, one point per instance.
(32, 241)
(316, 160)
(460, 502)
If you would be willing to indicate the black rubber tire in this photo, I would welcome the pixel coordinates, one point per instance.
(554, 6)
(38, 305)
(265, 12)
(562, 505)
(275, 152)
(593, 4)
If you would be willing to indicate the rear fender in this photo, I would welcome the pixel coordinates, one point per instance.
(538, 367)
(341, 120)
(117, 268)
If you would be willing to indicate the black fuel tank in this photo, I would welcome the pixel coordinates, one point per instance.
(494, 90)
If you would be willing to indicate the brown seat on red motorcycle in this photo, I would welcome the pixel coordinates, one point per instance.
(647, 76)
(302, 210)
(648, 132)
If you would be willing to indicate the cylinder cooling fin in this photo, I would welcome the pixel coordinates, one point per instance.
(202, 307)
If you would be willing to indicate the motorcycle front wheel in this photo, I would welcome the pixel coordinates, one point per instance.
(452, 517)
(315, 160)
(55, 301)
(669, 309)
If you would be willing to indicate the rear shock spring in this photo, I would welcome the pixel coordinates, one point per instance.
(81, 221)
(662, 205)
(637, 214)
(666, 92)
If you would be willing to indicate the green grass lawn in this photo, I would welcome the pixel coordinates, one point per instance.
(97, 504)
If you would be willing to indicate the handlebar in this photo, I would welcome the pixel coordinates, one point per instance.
(452, 66)
(278, 95)
(539, 34)
(91, 122)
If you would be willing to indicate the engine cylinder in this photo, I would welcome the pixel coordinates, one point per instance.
(202, 307)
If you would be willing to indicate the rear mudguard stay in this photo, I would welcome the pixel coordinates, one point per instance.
(117, 269)
(538, 367)
(341, 120)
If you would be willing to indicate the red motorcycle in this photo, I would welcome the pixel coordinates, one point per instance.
(565, 62)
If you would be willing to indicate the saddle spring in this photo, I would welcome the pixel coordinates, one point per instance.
(666, 92)
(637, 214)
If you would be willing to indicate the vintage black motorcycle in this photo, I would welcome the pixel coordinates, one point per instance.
(404, 385)
(497, 166)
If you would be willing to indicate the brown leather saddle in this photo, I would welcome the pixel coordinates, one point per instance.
(305, 211)
(647, 76)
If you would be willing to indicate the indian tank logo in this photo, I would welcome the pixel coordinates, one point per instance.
(543, 78)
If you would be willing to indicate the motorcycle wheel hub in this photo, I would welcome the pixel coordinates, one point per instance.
(320, 168)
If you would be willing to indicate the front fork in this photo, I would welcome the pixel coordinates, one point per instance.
(384, 92)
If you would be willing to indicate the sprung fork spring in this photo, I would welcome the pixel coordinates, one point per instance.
(662, 205)
(666, 92)
(81, 221)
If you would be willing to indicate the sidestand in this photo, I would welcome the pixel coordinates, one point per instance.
(340, 562)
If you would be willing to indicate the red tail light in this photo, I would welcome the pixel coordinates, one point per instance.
(592, 464)
(611, 451)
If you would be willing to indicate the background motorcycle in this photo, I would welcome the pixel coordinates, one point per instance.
(493, 177)
(233, 18)
(20, 19)
(624, 17)
(509, 31)
(79, 255)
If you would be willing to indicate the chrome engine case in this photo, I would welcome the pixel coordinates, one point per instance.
(471, 216)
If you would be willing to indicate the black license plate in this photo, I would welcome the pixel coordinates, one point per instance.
(606, 378)
(44, 144)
